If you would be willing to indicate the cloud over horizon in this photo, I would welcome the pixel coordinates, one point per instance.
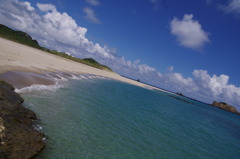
(189, 32)
(60, 31)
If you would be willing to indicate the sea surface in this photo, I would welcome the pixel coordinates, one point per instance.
(97, 118)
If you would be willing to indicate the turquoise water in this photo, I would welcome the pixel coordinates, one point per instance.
(106, 119)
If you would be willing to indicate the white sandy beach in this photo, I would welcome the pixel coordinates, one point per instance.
(18, 57)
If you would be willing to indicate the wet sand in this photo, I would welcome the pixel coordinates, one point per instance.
(24, 79)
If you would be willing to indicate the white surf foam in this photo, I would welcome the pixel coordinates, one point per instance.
(44, 139)
(83, 77)
(60, 82)
(37, 127)
(39, 87)
(75, 77)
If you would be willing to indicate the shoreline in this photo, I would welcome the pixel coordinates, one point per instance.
(23, 66)
(21, 58)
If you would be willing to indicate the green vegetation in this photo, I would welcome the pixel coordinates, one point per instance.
(4, 84)
(24, 38)
(87, 61)
(17, 36)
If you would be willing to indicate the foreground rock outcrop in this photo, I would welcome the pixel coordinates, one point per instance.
(225, 106)
(18, 138)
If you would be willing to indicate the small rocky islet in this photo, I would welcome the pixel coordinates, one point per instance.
(18, 138)
(225, 106)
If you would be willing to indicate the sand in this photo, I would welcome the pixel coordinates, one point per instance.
(18, 57)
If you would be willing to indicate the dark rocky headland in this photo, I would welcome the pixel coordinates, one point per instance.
(225, 106)
(18, 138)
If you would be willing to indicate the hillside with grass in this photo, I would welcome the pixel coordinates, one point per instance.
(24, 38)
(17, 36)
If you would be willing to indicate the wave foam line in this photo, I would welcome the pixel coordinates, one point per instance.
(59, 79)
(39, 87)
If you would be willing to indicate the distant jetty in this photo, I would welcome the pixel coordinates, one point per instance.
(225, 106)
(18, 138)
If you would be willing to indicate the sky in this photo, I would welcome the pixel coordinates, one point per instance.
(187, 46)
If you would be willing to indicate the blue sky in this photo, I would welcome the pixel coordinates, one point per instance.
(140, 30)
(189, 46)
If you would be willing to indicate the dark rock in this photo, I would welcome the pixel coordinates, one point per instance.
(180, 94)
(25, 35)
(225, 106)
(18, 138)
(180, 99)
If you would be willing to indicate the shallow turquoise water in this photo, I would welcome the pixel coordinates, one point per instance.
(106, 119)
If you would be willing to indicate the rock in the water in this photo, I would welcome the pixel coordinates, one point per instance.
(18, 138)
(225, 106)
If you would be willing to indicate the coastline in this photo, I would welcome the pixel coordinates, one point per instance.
(23, 67)
(21, 58)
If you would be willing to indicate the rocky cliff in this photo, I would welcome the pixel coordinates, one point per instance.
(18, 138)
(225, 106)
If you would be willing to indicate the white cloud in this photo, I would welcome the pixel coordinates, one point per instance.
(28, 5)
(93, 2)
(216, 87)
(232, 7)
(90, 15)
(176, 82)
(189, 32)
(137, 62)
(144, 69)
(202, 86)
(46, 7)
(60, 31)
(52, 29)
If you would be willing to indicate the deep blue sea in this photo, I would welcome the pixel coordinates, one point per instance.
(95, 118)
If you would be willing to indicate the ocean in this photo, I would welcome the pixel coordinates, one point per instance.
(92, 117)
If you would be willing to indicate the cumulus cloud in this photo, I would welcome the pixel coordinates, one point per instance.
(189, 32)
(232, 7)
(52, 29)
(90, 15)
(176, 82)
(60, 31)
(93, 2)
(203, 86)
(216, 87)
(46, 7)
(28, 5)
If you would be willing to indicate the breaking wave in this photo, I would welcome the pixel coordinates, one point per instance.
(60, 80)
(39, 87)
